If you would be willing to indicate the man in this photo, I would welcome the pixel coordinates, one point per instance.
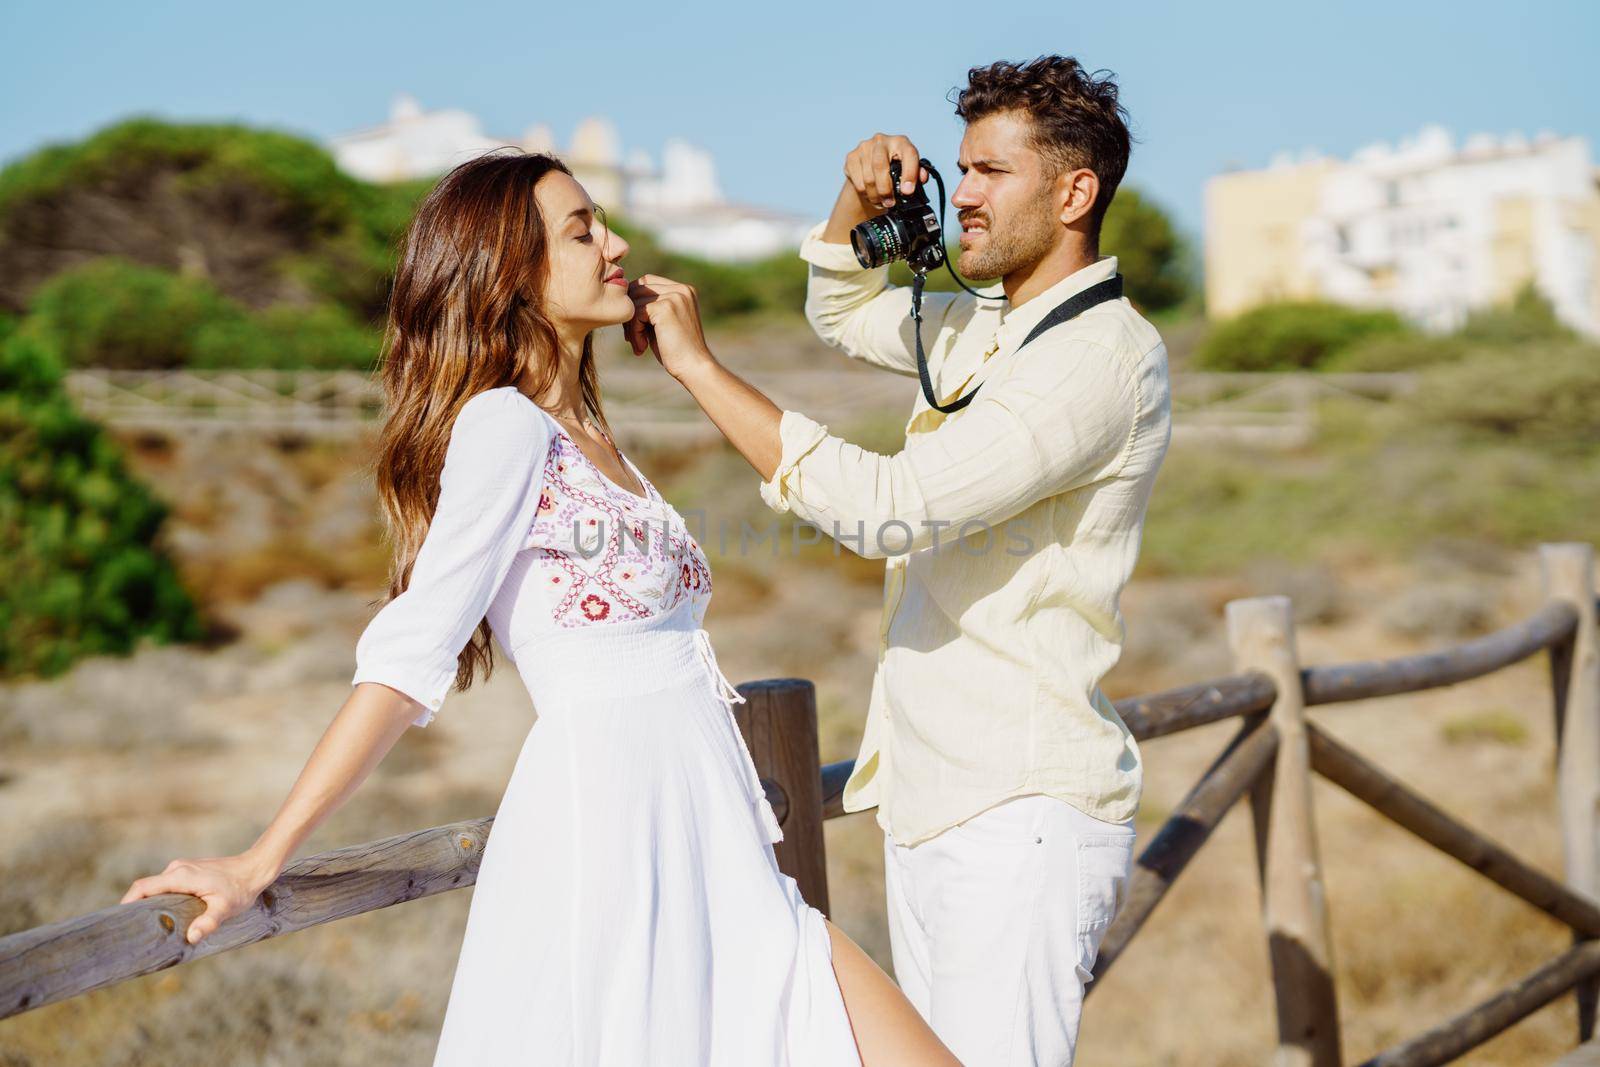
(1005, 781)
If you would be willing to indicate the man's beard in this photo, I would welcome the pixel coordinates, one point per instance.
(1008, 247)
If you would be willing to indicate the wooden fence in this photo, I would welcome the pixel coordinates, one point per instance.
(1256, 409)
(1270, 760)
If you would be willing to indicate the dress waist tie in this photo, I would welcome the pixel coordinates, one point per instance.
(731, 696)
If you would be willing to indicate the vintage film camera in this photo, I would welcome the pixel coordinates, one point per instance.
(910, 230)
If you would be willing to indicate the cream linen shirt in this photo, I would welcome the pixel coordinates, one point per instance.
(1008, 528)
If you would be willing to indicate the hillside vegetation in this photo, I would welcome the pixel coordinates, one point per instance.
(1498, 443)
(161, 244)
(84, 570)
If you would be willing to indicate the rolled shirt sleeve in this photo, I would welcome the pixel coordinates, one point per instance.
(489, 491)
(1063, 418)
(857, 311)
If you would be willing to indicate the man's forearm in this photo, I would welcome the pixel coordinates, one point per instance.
(848, 212)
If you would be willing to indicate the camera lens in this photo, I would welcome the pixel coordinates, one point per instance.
(879, 240)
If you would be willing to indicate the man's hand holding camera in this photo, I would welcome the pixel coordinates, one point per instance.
(667, 313)
(867, 169)
(869, 188)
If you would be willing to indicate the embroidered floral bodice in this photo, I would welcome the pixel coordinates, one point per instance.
(530, 534)
(605, 554)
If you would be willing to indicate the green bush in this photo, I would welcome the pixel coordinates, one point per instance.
(261, 206)
(779, 282)
(1151, 256)
(212, 160)
(1528, 317)
(321, 337)
(1295, 335)
(255, 206)
(1398, 352)
(83, 573)
(1544, 396)
(114, 313)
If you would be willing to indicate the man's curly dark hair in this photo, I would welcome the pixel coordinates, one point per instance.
(1076, 118)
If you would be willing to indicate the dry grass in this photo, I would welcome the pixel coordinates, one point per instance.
(1417, 937)
(121, 765)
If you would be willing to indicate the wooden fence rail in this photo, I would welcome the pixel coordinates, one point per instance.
(1255, 409)
(1270, 760)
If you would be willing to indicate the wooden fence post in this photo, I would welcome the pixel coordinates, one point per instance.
(1294, 903)
(779, 722)
(1567, 573)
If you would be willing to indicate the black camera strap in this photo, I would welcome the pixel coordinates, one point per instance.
(1073, 306)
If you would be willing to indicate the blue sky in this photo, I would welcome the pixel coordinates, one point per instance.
(779, 93)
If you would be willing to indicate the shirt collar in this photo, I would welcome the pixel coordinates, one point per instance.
(1016, 322)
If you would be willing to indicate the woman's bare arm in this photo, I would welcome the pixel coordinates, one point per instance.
(366, 727)
(888, 1029)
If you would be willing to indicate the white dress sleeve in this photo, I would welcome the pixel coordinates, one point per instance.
(488, 498)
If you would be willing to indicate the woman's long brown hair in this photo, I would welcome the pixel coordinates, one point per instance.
(466, 314)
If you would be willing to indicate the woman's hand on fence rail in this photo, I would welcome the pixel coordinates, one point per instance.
(227, 884)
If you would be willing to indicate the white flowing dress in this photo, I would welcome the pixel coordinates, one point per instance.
(629, 909)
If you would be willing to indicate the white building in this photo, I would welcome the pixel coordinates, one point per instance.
(1424, 227)
(681, 201)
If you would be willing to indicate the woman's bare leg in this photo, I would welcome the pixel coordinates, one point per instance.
(889, 1031)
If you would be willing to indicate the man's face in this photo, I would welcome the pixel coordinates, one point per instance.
(1006, 206)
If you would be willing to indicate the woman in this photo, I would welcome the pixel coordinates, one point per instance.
(629, 908)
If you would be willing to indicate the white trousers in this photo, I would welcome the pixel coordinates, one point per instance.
(994, 926)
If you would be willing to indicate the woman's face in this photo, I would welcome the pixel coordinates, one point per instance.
(585, 288)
